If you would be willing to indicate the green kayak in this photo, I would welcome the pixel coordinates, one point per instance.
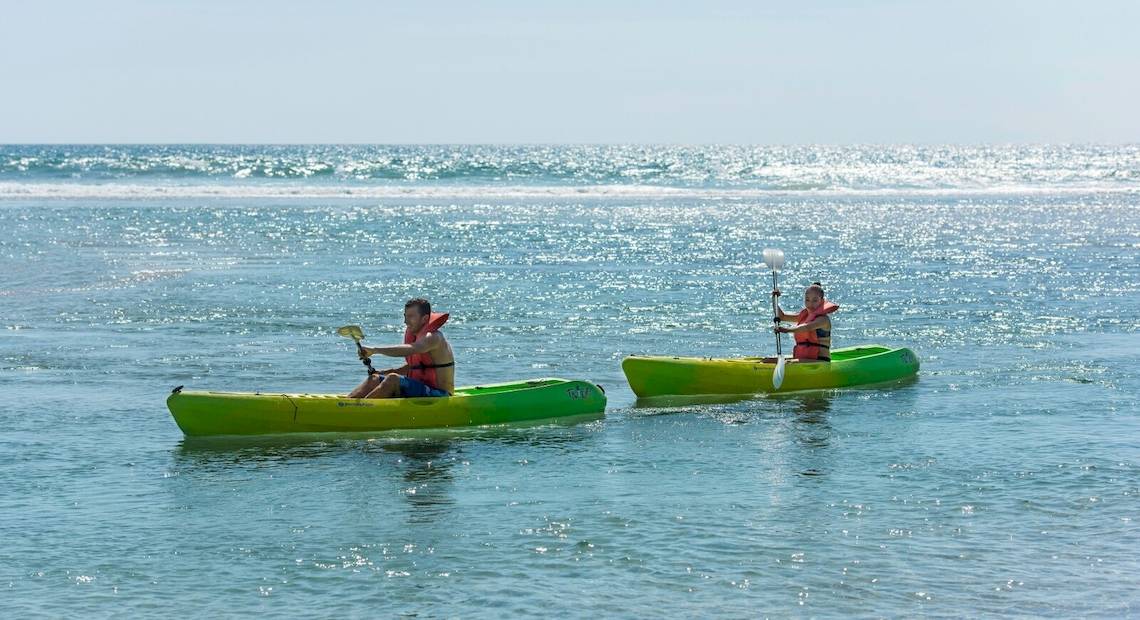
(679, 376)
(237, 413)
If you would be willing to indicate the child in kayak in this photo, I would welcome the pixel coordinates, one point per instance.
(429, 368)
(812, 330)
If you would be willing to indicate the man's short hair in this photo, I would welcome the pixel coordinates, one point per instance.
(421, 304)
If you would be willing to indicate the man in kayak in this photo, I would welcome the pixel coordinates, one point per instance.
(812, 330)
(429, 368)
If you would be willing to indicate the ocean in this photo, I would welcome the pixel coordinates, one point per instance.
(1004, 480)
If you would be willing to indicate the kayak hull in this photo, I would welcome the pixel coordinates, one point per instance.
(236, 413)
(681, 376)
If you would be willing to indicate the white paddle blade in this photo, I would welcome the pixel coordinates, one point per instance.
(351, 331)
(778, 374)
(774, 259)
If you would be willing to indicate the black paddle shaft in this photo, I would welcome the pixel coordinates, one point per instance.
(776, 313)
(367, 361)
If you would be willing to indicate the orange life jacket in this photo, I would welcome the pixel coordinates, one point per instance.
(420, 365)
(814, 344)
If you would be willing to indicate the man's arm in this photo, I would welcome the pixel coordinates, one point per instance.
(428, 343)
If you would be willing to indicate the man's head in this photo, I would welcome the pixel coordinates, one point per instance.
(416, 313)
(813, 296)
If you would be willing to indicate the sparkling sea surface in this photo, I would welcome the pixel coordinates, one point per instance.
(1004, 480)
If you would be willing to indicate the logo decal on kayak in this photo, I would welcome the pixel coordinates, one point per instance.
(578, 393)
(359, 403)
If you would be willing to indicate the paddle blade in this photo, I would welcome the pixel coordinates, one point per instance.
(774, 259)
(778, 374)
(351, 331)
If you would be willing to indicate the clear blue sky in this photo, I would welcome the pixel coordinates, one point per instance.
(583, 71)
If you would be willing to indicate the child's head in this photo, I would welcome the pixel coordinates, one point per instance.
(813, 296)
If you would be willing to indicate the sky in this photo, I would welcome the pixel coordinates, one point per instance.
(442, 71)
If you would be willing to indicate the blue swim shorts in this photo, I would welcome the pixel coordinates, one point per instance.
(410, 388)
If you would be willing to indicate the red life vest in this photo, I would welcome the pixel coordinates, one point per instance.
(420, 365)
(808, 344)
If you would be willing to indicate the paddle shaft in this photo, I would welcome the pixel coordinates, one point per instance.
(367, 360)
(776, 313)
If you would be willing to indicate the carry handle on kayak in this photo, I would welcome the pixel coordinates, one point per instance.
(356, 334)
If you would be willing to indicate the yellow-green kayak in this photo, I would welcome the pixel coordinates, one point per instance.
(675, 376)
(236, 413)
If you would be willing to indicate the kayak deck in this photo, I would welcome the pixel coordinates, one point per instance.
(200, 413)
(850, 366)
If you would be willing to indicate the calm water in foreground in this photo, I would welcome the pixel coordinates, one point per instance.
(1004, 480)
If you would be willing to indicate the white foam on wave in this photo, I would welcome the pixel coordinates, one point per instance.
(9, 190)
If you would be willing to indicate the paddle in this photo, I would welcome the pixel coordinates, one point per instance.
(357, 334)
(774, 259)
